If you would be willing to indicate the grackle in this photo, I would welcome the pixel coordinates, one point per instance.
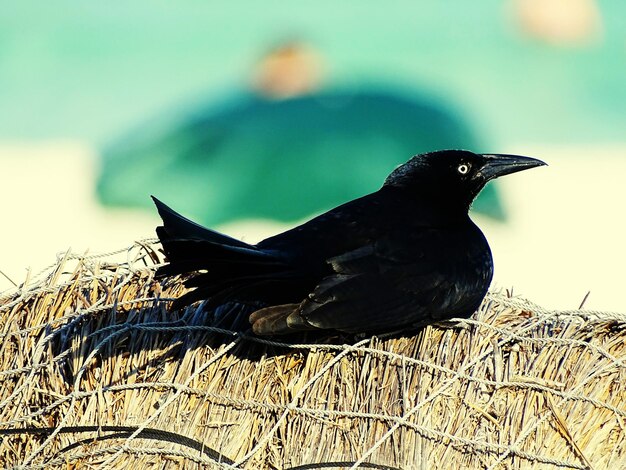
(406, 254)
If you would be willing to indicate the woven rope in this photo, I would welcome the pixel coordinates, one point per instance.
(111, 280)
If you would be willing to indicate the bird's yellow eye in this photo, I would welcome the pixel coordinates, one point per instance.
(463, 168)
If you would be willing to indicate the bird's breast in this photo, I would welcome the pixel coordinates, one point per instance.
(468, 268)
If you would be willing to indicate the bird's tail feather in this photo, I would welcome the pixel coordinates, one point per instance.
(229, 267)
(177, 226)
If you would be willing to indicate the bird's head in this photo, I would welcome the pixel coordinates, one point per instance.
(455, 176)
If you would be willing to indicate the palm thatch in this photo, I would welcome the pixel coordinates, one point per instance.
(90, 342)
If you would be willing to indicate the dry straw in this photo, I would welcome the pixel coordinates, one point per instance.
(89, 342)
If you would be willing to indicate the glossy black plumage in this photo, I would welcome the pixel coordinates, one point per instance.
(403, 255)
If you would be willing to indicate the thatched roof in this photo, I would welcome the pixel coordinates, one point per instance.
(90, 342)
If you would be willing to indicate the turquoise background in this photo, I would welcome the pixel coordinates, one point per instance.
(93, 70)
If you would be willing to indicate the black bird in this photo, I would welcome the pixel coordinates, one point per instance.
(405, 254)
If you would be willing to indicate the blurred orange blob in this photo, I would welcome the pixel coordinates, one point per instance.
(291, 69)
(560, 22)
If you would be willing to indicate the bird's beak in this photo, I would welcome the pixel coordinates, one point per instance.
(500, 165)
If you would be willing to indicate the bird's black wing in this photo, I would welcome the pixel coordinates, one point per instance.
(398, 280)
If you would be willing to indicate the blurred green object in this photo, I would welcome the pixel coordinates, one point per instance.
(257, 158)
